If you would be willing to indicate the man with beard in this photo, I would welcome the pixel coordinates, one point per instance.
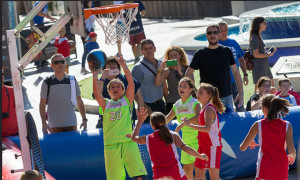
(214, 63)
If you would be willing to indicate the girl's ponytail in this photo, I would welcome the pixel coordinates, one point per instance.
(277, 107)
(158, 120)
(216, 101)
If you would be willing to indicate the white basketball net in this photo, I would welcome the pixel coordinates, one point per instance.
(117, 27)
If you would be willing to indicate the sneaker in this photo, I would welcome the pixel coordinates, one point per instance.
(84, 71)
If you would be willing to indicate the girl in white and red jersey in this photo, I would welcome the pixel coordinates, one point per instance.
(161, 146)
(209, 135)
(274, 136)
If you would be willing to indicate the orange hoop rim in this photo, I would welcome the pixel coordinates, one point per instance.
(108, 9)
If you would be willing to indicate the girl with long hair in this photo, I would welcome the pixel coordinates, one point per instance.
(187, 107)
(161, 146)
(257, 46)
(274, 135)
(209, 135)
(172, 74)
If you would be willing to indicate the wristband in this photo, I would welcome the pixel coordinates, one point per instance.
(182, 146)
(102, 79)
(84, 119)
(242, 93)
(245, 74)
(126, 67)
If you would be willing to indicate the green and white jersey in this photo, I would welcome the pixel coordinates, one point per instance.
(187, 109)
(117, 121)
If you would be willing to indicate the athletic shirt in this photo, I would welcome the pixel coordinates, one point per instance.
(272, 160)
(187, 109)
(213, 138)
(117, 121)
(164, 158)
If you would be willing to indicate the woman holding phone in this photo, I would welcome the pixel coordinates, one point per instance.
(172, 69)
(261, 62)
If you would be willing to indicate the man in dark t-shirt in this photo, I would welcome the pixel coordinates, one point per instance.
(214, 63)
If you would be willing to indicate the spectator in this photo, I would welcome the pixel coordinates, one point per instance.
(172, 74)
(285, 86)
(238, 55)
(91, 44)
(214, 62)
(89, 27)
(39, 20)
(9, 116)
(273, 90)
(261, 62)
(264, 85)
(61, 93)
(31, 175)
(145, 72)
(112, 64)
(137, 31)
(62, 46)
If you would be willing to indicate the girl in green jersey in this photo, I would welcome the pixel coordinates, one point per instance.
(119, 150)
(187, 107)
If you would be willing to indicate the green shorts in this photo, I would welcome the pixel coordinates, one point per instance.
(123, 154)
(186, 158)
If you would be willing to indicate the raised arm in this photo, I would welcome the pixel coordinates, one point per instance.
(161, 74)
(250, 136)
(130, 88)
(141, 115)
(96, 88)
(179, 143)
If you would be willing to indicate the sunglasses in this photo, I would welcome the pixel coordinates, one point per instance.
(57, 62)
(212, 32)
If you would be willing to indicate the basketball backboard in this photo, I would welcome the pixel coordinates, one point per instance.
(77, 25)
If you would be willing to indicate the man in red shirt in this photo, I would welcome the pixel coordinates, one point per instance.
(9, 116)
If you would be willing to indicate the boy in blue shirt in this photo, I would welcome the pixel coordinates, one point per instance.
(91, 44)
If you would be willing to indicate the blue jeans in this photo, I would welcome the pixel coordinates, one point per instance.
(228, 103)
(235, 92)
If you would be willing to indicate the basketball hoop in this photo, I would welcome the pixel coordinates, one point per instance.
(116, 26)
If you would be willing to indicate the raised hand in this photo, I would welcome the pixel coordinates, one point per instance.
(121, 61)
(253, 144)
(162, 66)
(105, 73)
(142, 114)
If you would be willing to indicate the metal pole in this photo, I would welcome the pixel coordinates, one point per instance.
(16, 80)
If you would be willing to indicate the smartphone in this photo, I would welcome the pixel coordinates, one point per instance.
(271, 49)
(113, 72)
(172, 62)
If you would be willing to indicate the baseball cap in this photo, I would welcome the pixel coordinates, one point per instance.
(91, 35)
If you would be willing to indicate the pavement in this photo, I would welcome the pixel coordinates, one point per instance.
(161, 31)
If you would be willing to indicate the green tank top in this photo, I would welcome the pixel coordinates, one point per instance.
(187, 109)
(117, 121)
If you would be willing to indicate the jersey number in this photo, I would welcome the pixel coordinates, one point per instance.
(115, 115)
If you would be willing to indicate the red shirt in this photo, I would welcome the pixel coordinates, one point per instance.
(164, 158)
(62, 45)
(213, 138)
(9, 125)
(272, 160)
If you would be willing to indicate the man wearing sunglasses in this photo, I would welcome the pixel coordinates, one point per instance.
(214, 63)
(61, 93)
